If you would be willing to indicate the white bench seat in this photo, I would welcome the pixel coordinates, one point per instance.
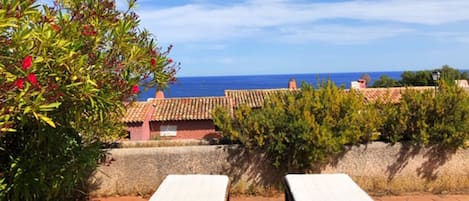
(193, 188)
(323, 187)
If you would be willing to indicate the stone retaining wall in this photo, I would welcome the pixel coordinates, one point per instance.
(377, 168)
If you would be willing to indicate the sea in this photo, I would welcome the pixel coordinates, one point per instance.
(216, 85)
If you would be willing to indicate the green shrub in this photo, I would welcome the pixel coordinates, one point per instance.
(429, 117)
(299, 129)
(47, 164)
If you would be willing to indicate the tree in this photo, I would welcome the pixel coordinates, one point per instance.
(449, 74)
(424, 78)
(65, 73)
(367, 78)
(386, 81)
(418, 78)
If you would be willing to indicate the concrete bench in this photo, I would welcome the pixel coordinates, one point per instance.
(192, 187)
(323, 187)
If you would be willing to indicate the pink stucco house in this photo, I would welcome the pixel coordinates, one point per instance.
(174, 118)
(137, 119)
(185, 118)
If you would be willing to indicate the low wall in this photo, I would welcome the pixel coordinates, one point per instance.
(377, 168)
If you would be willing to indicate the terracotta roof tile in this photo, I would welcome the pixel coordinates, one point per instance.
(135, 112)
(392, 94)
(254, 97)
(194, 108)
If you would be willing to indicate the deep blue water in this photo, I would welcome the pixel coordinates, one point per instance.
(216, 85)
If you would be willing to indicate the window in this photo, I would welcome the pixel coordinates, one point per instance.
(128, 135)
(168, 130)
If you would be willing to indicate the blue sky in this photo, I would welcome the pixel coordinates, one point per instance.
(239, 37)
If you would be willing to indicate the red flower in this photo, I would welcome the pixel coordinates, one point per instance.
(88, 30)
(170, 60)
(27, 62)
(56, 27)
(32, 79)
(134, 89)
(19, 83)
(89, 33)
(153, 62)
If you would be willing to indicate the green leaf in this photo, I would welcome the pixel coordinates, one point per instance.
(27, 109)
(8, 130)
(45, 119)
(91, 82)
(74, 84)
(49, 107)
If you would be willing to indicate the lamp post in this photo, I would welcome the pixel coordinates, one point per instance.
(436, 77)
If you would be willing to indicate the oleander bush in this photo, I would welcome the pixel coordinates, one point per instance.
(66, 71)
(299, 129)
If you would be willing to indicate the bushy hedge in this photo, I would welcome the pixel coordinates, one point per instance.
(429, 117)
(299, 128)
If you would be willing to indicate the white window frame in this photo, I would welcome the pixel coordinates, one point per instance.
(168, 130)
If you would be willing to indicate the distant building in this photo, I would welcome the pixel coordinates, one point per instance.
(174, 118)
(185, 118)
(462, 83)
(137, 119)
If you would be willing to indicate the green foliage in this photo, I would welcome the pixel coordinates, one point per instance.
(65, 72)
(300, 129)
(422, 78)
(386, 81)
(429, 118)
(449, 75)
(418, 78)
(46, 164)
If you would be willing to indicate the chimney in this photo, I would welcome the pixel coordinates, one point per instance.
(292, 84)
(159, 94)
(362, 83)
(354, 85)
(359, 84)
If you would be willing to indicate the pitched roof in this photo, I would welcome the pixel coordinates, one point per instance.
(254, 97)
(200, 108)
(194, 108)
(135, 112)
(392, 94)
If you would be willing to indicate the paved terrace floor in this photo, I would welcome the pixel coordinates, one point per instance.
(280, 197)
